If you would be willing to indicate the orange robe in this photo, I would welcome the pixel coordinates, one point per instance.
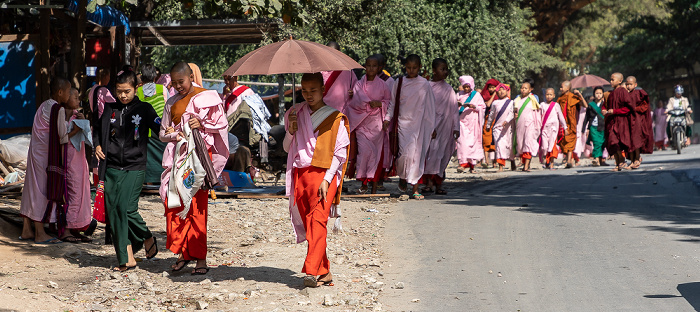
(570, 108)
(187, 236)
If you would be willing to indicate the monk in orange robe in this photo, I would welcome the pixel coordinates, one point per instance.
(317, 141)
(570, 103)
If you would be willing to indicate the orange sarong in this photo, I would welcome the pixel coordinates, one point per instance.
(315, 213)
(188, 236)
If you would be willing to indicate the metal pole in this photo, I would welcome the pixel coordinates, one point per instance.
(294, 89)
(280, 92)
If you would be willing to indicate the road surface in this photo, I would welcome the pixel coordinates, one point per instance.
(583, 239)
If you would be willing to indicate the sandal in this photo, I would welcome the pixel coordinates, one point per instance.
(70, 239)
(427, 189)
(123, 268)
(148, 250)
(440, 192)
(310, 281)
(326, 279)
(200, 271)
(179, 267)
(81, 237)
(362, 191)
(417, 196)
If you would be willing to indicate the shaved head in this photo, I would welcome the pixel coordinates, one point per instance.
(566, 84)
(334, 45)
(181, 68)
(58, 84)
(631, 79)
(616, 80)
(618, 76)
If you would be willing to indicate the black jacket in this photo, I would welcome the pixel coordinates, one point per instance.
(590, 115)
(125, 148)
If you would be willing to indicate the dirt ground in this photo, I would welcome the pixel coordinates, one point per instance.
(255, 263)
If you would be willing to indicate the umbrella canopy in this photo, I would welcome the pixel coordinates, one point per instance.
(585, 81)
(291, 56)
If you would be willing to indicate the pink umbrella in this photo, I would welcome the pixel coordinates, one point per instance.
(291, 56)
(585, 81)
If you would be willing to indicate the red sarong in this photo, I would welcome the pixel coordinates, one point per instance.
(188, 236)
(315, 213)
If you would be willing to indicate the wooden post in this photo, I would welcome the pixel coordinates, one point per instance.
(44, 91)
(78, 48)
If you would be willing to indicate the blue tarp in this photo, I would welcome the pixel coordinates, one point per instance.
(104, 15)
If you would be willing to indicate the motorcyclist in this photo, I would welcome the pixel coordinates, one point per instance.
(680, 101)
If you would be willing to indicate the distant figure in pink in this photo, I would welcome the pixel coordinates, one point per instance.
(470, 148)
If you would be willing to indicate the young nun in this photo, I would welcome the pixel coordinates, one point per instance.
(617, 122)
(470, 149)
(366, 112)
(78, 205)
(488, 93)
(200, 109)
(570, 103)
(641, 127)
(317, 141)
(595, 124)
(659, 117)
(552, 121)
(528, 124)
(501, 117)
(121, 136)
(446, 128)
(415, 120)
(338, 86)
(34, 203)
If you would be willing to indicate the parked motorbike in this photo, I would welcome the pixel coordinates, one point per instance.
(677, 124)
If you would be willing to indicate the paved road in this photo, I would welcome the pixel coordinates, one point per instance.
(583, 239)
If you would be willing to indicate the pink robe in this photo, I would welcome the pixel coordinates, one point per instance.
(34, 201)
(300, 148)
(554, 122)
(581, 136)
(207, 107)
(446, 123)
(367, 124)
(416, 123)
(338, 97)
(659, 119)
(528, 126)
(470, 149)
(103, 96)
(388, 158)
(79, 208)
(502, 128)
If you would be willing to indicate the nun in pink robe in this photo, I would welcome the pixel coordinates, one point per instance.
(470, 149)
(366, 121)
(528, 126)
(337, 93)
(552, 123)
(446, 124)
(34, 201)
(581, 136)
(659, 119)
(416, 123)
(503, 127)
(79, 208)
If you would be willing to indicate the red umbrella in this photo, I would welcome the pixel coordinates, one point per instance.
(585, 81)
(291, 56)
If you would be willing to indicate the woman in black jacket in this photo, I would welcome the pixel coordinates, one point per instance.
(121, 135)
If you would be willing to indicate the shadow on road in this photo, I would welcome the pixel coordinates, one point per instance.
(691, 293)
(654, 195)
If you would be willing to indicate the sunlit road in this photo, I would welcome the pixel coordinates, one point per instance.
(583, 239)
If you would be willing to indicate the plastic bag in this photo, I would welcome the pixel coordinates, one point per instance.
(15, 150)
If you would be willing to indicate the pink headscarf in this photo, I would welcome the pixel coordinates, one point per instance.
(504, 86)
(468, 80)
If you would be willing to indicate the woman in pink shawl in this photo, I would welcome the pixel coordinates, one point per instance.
(366, 110)
(502, 117)
(528, 124)
(552, 121)
(470, 149)
(446, 128)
